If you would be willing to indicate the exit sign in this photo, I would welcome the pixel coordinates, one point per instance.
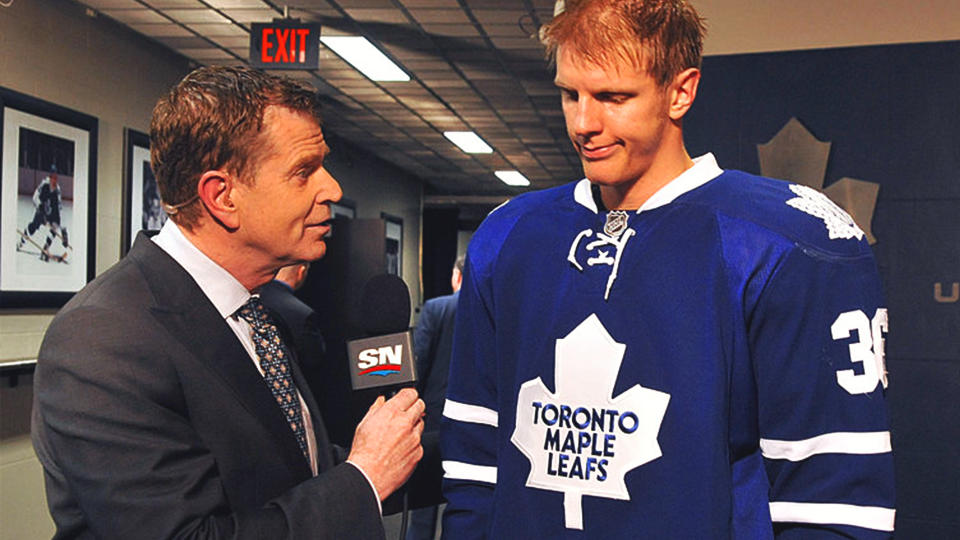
(286, 44)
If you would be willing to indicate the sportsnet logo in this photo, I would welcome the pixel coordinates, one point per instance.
(380, 361)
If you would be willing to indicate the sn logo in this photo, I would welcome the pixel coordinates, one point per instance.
(380, 361)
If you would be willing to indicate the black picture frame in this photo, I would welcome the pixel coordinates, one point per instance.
(345, 208)
(393, 250)
(142, 207)
(45, 143)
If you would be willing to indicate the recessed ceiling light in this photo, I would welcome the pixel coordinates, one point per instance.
(468, 141)
(365, 57)
(512, 178)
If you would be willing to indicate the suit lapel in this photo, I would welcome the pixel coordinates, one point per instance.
(190, 317)
(324, 456)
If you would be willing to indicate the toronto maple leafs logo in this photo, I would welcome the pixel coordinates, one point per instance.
(839, 223)
(580, 439)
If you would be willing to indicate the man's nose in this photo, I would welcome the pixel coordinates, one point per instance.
(330, 190)
(586, 118)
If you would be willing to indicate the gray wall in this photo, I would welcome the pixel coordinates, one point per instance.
(52, 51)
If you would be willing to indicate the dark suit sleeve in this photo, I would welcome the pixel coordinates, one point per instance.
(425, 340)
(115, 427)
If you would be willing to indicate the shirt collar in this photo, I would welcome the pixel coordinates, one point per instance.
(224, 291)
(704, 169)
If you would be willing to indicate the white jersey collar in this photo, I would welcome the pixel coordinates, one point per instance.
(704, 169)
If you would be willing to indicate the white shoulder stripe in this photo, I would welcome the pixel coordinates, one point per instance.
(867, 517)
(875, 442)
(474, 414)
(457, 470)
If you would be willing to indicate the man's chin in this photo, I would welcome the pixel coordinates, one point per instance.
(604, 176)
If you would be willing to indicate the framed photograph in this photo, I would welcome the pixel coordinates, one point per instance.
(345, 208)
(142, 207)
(47, 201)
(394, 247)
(339, 211)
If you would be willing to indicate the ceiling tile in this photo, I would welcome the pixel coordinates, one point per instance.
(247, 16)
(162, 30)
(516, 43)
(206, 53)
(239, 43)
(446, 16)
(378, 15)
(498, 16)
(135, 16)
(449, 4)
(184, 42)
(348, 4)
(175, 4)
(234, 4)
(446, 29)
(113, 4)
(195, 16)
(219, 30)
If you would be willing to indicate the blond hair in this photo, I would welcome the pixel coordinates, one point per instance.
(664, 37)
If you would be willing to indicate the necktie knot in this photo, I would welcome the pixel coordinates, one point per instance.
(253, 312)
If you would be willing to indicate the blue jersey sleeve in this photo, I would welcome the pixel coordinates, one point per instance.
(470, 418)
(469, 431)
(817, 342)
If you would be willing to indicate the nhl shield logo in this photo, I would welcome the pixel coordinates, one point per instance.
(616, 223)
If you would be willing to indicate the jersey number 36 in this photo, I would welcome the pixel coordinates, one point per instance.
(867, 350)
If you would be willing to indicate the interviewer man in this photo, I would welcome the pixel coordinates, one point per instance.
(166, 404)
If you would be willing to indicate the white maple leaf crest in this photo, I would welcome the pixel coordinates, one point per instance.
(839, 223)
(581, 440)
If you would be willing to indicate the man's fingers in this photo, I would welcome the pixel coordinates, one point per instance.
(404, 399)
(420, 408)
(377, 403)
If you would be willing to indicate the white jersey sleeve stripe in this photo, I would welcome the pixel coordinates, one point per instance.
(867, 517)
(876, 442)
(457, 470)
(470, 413)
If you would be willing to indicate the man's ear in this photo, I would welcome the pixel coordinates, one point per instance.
(682, 92)
(216, 189)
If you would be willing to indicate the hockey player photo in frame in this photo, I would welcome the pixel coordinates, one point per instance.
(47, 195)
(143, 208)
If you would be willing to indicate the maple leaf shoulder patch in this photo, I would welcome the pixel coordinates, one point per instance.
(839, 223)
(581, 440)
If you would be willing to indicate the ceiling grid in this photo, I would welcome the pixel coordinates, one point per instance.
(474, 65)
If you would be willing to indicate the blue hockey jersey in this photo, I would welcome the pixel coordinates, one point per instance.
(708, 366)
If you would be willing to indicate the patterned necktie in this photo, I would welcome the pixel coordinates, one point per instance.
(275, 362)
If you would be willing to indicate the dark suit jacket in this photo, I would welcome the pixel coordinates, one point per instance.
(303, 326)
(151, 421)
(433, 343)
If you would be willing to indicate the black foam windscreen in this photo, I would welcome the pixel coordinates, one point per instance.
(385, 305)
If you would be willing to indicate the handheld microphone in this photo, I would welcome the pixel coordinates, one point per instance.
(386, 358)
